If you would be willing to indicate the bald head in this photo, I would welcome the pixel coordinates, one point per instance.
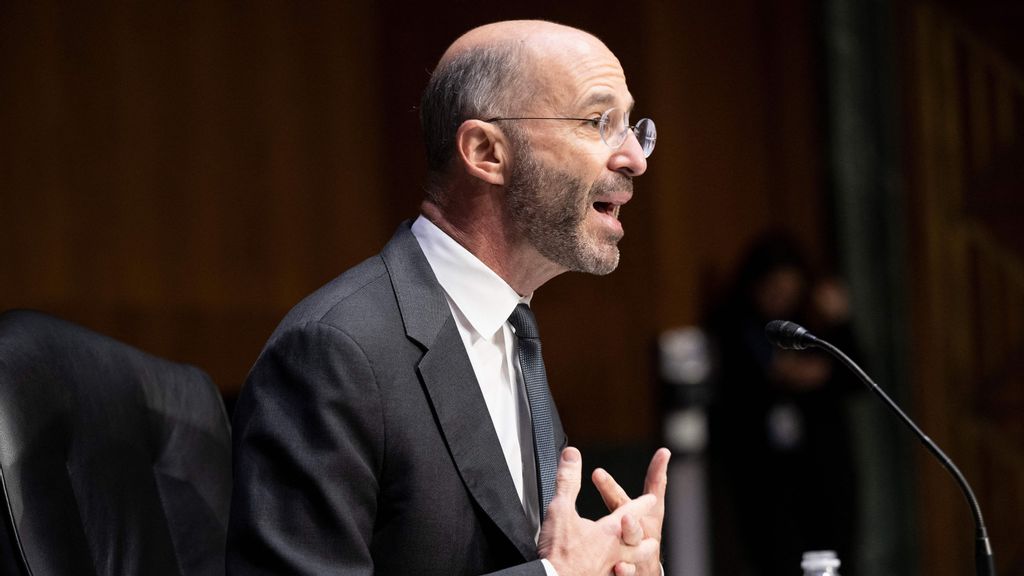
(489, 71)
(540, 35)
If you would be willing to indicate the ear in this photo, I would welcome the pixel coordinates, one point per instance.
(482, 149)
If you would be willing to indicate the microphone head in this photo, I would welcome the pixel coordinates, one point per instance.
(788, 335)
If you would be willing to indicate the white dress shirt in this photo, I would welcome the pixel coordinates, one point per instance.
(481, 303)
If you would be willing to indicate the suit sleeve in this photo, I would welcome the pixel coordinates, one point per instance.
(308, 449)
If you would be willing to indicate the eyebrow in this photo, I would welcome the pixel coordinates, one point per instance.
(603, 99)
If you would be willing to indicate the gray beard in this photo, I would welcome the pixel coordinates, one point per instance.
(549, 207)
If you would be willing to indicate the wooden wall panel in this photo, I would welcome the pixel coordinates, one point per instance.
(968, 282)
(179, 175)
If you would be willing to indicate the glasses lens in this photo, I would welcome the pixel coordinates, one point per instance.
(646, 134)
(614, 124)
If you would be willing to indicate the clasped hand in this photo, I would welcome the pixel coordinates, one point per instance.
(626, 542)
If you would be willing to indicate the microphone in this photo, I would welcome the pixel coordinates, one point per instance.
(789, 335)
(792, 336)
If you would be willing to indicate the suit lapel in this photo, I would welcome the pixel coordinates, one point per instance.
(454, 392)
(469, 432)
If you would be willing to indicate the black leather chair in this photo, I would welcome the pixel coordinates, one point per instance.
(112, 461)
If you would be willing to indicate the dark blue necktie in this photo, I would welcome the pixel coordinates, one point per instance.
(532, 365)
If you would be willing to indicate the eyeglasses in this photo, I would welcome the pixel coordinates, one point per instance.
(613, 126)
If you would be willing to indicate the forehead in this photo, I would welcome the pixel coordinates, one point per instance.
(577, 73)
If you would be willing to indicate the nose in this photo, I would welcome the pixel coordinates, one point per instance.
(629, 158)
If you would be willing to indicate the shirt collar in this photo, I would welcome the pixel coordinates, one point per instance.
(481, 295)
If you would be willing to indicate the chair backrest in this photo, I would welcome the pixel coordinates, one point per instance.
(112, 461)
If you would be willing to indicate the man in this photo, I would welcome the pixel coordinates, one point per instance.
(396, 422)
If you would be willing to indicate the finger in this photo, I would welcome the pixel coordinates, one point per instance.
(612, 494)
(637, 508)
(625, 569)
(657, 474)
(643, 554)
(632, 532)
(568, 478)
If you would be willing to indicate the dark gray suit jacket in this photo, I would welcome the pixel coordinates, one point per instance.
(362, 443)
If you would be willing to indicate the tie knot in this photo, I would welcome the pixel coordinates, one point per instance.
(524, 322)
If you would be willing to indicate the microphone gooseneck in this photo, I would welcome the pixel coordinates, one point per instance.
(792, 336)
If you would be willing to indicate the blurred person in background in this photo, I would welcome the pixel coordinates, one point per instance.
(781, 453)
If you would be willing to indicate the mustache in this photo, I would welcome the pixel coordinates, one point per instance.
(611, 183)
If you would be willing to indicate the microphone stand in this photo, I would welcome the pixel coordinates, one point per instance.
(984, 563)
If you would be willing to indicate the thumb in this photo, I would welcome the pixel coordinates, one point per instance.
(569, 476)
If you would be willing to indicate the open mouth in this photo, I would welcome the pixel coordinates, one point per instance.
(607, 208)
